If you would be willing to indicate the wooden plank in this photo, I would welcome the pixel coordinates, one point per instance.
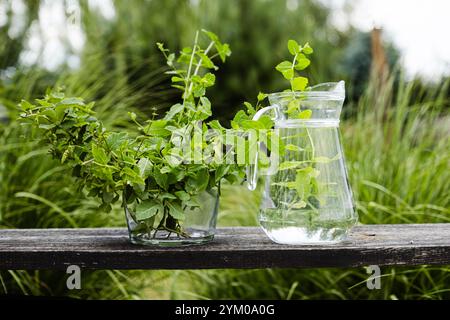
(246, 247)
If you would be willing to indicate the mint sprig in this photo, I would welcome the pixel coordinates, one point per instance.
(299, 62)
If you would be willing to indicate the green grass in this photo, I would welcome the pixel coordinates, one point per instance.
(398, 155)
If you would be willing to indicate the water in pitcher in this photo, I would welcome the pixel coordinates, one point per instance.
(308, 199)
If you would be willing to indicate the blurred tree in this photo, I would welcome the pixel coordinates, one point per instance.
(18, 17)
(122, 46)
(356, 62)
(257, 31)
(14, 30)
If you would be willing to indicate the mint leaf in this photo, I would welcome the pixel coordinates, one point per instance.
(302, 64)
(299, 205)
(303, 184)
(250, 109)
(157, 128)
(215, 124)
(252, 124)
(266, 121)
(293, 47)
(286, 69)
(145, 167)
(161, 179)
(99, 154)
(307, 49)
(291, 147)
(325, 159)
(305, 114)
(289, 165)
(261, 96)
(198, 182)
(147, 209)
(221, 171)
(209, 79)
(115, 140)
(211, 35)
(182, 195)
(299, 83)
(174, 110)
(132, 176)
(175, 210)
(224, 51)
(73, 101)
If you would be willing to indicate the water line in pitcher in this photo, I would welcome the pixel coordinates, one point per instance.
(322, 123)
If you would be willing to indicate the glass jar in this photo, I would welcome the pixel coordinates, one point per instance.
(197, 227)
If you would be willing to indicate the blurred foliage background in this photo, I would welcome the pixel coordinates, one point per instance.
(395, 133)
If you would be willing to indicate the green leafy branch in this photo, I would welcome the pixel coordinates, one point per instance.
(191, 74)
(305, 183)
(148, 170)
(300, 62)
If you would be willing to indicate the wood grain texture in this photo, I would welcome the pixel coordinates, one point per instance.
(245, 247)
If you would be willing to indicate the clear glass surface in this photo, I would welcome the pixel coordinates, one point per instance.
(198, 226)
(307, 198)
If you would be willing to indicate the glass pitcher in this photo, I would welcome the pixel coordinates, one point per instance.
(306, 195)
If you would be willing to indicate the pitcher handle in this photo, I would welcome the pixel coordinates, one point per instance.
(252, 169)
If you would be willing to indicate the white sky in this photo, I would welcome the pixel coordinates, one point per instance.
(419, 28)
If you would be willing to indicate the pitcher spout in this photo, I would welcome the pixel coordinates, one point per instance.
(333, 89)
